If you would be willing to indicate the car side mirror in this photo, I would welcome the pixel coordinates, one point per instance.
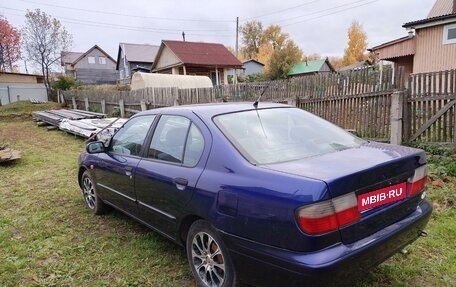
(95, 147)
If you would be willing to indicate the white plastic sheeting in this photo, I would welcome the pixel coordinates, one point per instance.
(88, 127)
(153, 80)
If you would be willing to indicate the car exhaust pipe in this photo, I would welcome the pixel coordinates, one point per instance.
(423, 233)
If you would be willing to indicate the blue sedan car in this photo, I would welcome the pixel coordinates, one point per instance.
(263, 194)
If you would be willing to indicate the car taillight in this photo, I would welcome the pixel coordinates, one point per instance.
(328, 215)
(418, 181)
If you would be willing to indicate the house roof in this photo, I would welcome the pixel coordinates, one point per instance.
(201, 54)
(307, 67)
(355, 66)
(90, 50)
(392, 42)
(69, 57)
(442, 7)
(442, 10)
(142, 53)
(74, 57)
(253, 60)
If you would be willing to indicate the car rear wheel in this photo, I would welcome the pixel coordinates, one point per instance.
(208, 257)
(89, 190)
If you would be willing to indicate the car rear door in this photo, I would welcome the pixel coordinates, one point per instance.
(115, 172)
(167, 175)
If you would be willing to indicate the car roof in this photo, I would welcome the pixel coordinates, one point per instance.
(213, 109)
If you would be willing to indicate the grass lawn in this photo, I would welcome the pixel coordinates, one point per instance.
(48, 237)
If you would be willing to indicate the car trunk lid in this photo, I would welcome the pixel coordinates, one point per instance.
(364, 171)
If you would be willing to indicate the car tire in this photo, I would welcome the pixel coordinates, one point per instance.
(208, 257)
(91, 198)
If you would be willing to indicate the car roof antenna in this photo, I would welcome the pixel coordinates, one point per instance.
(255, 104)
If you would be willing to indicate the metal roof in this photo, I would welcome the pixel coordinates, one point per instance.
(442, 7)
(307, 67)
(442, 10)
(69, 57)
(203, 54)
(140, 52)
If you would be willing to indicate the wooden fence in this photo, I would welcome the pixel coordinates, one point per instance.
(361, 101)
(430, 112)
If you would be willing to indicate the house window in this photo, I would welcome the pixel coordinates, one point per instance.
(102, 60)
(449, 34)
(91, 60)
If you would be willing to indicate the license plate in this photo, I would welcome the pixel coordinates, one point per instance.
(382, 196)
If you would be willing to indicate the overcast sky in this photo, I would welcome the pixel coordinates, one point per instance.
(317, 26)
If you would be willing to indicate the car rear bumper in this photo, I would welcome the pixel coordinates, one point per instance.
(265, 265)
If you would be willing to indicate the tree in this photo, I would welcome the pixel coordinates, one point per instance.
(10, 48)
(357, 44)
(44, 38)
(252, 38)
(336, 62)
(65, 83)
(285, 53)
(283, 59)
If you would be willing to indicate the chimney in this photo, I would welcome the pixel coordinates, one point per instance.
(183, 33)
(454, 6)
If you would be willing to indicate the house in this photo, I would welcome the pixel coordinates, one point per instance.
(19, 87)
(361, 65)
(91, 68)
(195, 58)
(430, 45)
(251, 67)
(20, 78)
(305, 68)
(134, 58)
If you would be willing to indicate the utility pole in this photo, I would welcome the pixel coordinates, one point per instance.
(237, 48)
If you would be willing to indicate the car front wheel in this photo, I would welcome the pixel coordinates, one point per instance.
(89, 190)
(208, 257)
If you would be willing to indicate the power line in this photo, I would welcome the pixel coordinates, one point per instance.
(280, 11)
(328, 14)
(125, 15)
(127, 27)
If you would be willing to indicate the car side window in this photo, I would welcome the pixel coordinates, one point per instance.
(169, 138)
(130, 138)
(194, 147)
(176, 140)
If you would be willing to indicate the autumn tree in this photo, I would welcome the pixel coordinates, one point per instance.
(10, 48)
(285, 53)
(336, 62)
(357, 44)
(252, 38)
(44, 38)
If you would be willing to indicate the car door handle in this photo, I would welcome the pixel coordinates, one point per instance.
(180, 182)
(128, 171)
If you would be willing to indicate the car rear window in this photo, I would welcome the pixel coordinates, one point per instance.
(265, 136)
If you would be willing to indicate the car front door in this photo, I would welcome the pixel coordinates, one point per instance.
(115, 173)
(167, 175)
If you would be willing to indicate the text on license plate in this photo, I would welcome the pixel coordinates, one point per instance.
(382, 196)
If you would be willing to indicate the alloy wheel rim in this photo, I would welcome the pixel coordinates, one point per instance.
(89, 193)
(208, 260)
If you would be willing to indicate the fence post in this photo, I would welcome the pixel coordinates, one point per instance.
(75, 106)
(143, 105)
(397, 107)
(175, 93)
(122, 108)
(86, 102)
(103, 106)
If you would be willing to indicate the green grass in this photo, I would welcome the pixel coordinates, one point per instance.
(25, 107)
(48, 237)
